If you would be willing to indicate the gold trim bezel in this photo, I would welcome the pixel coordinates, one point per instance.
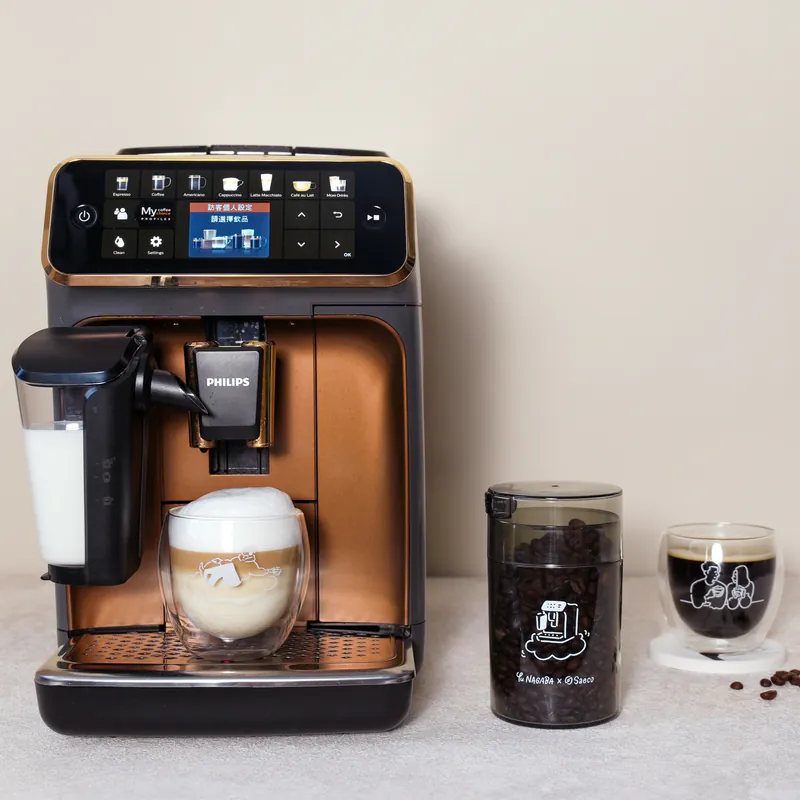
(235, 280)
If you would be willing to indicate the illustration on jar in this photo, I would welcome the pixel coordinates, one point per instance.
(557, 625)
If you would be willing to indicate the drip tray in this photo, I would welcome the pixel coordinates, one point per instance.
(307, 658)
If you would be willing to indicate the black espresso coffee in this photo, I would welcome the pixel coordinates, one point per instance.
(720, 599)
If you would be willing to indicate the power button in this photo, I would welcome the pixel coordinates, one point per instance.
(84, 216)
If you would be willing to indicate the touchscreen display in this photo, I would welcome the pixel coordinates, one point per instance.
(209, 216)
(228, 230)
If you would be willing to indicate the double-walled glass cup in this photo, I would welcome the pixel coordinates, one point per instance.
(233, 587)
(720, 584)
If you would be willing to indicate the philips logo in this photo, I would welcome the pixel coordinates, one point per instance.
(227, 381)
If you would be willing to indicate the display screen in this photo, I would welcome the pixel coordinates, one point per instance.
(215, 216)
(228, 230)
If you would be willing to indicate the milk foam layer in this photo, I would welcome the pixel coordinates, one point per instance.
(236, 521)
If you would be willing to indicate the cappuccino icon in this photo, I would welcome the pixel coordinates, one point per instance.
(231, 184)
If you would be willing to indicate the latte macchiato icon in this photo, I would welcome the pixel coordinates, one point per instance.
(234, 571)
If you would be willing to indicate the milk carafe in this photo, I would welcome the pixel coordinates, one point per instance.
(83, 394)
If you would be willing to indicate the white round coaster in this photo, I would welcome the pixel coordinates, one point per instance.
(669, 651)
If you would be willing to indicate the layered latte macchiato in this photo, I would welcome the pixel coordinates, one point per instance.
(234, 561)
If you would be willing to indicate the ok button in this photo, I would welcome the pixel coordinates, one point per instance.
(84, 216)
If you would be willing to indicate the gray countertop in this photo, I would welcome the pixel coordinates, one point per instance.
(679, 735)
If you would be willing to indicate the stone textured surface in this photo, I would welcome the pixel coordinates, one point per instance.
(678, 736)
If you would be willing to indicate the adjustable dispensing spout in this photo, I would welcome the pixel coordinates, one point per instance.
(168, 389)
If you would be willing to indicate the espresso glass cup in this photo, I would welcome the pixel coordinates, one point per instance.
(720, 584)
(233, 587)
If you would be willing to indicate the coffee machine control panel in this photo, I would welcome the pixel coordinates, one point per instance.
(229, 217)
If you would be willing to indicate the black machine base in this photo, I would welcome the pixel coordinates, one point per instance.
(145, 683)
(222, 711)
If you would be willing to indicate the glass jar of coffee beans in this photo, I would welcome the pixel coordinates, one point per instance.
(555, 602)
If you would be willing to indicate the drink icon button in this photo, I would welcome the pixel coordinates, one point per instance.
(119, 241)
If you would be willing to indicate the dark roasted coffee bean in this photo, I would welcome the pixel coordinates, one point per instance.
(770, 695)
(794, 671)
(765, 682)
(783, 674)
(795, 680)
(779, 681)
(737, 685)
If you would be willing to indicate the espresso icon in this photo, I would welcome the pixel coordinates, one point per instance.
(720, 599)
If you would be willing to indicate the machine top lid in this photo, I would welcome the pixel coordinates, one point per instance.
(76, 356)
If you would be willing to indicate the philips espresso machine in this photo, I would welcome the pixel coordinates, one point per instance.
(228, 317)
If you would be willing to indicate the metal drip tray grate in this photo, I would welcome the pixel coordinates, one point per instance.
(157, 658)
(304, 649)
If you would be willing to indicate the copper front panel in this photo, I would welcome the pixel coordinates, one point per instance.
(340, 432)
(361, 451)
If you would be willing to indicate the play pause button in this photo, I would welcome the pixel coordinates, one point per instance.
(301, 244)
(375, 217)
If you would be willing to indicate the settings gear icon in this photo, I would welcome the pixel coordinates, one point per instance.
(156, 241)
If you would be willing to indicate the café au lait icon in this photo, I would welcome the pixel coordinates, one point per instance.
(558, 635)
(303, 186)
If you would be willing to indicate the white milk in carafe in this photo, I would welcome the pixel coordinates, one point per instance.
(55, 467)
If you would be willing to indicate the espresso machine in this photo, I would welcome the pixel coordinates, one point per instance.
(228, 316)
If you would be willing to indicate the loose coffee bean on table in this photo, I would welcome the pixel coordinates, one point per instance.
(779, 681)
(770, 695)
(737, 685)
(765, 682)
(547, 682)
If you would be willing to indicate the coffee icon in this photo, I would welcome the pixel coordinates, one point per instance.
(160, 182)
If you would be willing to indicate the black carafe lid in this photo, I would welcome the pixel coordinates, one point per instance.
(77, 356)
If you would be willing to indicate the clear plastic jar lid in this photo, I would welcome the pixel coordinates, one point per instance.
(554, 522)
(555, 490)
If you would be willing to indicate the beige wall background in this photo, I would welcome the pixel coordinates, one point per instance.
(608, 196)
